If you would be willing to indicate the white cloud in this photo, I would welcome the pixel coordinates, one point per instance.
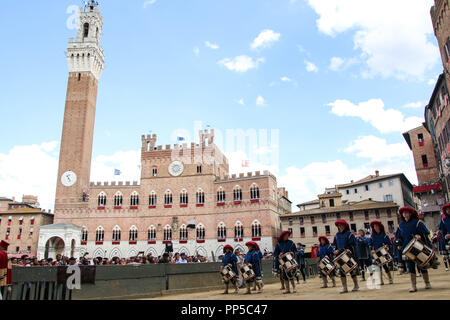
(377, 149)
(30, 170)
(260, 101)
(392, 36)
(265, 39)
(33, 169)
(241, 102)
(211, 45)
(373, 112)
(311, 67)
(286, 79)
(414, 105)
(241, 63)
(148, 3)
(336, 63)
(432, 82)
(196, 51)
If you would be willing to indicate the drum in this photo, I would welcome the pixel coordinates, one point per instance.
(447, 245)
(228, 273)
(326, 266)
(247, 272)
(382, 256)
(417, 251)
(287, 262)
(345, 262)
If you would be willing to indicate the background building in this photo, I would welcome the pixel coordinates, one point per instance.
(20, 223)
(437, 113)
(185, 197)
(429, 191)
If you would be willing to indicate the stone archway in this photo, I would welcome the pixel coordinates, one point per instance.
(53, 247)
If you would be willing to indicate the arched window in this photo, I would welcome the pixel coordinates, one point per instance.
(102, 199)
(133, 234)
(168, 199)
(221, 231)
(134, 199)
(200, 232)
(116, 234)
(200, 196)
(99, 234)
(237, 193)
(86, 30)
(118, 199)
(152, 199)
(152, 233)
(256, 229)
(254, 192)
(167, 233)
(221, 197)
(184, 197)
(84, 234)
(183, 233)
(238, 230)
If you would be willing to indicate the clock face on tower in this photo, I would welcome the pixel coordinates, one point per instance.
(176, 168)
(68, 178)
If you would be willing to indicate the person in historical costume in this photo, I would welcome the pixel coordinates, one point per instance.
(5, 268)
(326, 250)
(380, 239)
(253, 259)
(345, 240)
(409, 228)
(230, 259)
(300, 258)
(363, 253)
(444, 234)
(284, 246)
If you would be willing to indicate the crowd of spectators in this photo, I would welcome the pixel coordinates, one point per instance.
(172, 258)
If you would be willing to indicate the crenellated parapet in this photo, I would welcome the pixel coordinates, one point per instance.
(245, 176)
(114, 184)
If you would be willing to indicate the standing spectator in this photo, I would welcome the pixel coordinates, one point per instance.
(363, 252)
(300, 257)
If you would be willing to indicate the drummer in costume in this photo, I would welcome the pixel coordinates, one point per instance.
(300, 257)
(378, 240)
(253, 260)
(345, 240)
(363, 252)
(409, 228)
(5, 268)
(326, 250)
(230, 259)
(284, 246)
(444, 233)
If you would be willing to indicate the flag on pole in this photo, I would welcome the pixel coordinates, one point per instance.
(181, 139)
(117, 172)
(245, 163)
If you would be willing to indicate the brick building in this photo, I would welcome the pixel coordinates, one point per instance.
(437, 113)
(20, 223)
(429, 190)
(185, 196)
(307, 225)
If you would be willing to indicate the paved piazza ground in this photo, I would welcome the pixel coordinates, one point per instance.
(440, 280)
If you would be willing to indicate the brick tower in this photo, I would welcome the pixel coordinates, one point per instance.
(86, 63)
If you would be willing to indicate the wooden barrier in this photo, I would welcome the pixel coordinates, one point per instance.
(124, 282)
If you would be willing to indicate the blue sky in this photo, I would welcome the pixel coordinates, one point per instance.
(339, 79)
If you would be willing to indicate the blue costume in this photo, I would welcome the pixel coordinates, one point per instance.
(379, 240)
(300, 258)
(281, 248)
(254, 257)
(346, 240)
(444, 230)
(230, 258)
(326, 251)
(407, 230)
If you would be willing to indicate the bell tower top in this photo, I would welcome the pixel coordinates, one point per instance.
(85, 54)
